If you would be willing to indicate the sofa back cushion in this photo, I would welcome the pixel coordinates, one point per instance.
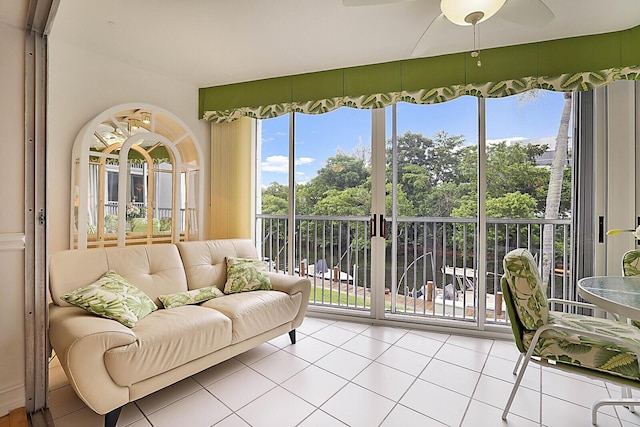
(204, 261)
(154, 269)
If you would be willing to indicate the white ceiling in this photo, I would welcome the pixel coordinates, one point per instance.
(212, 42)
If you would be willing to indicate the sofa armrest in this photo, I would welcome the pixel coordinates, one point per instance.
(80, 341)
(293, 285)
(289, 284)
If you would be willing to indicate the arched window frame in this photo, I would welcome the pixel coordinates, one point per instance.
(80, 176)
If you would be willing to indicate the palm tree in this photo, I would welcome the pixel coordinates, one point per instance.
(555, 186)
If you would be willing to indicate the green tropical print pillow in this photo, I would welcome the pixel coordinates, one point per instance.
(525, 285)
(195, 296)
(112, 297)
(246, 275)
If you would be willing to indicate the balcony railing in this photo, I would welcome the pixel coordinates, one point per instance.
(435, 271)
(111, 208)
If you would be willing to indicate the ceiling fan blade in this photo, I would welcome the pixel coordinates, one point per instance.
(531, 13)
(349, 3)
(437, 28)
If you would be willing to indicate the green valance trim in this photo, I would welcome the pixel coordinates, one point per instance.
(572, 64)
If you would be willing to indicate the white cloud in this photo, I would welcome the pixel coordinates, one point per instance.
(271, 137)
(277, 164)
(304, 161)
(280, 164)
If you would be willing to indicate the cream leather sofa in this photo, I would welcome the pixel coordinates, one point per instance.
(109, 364)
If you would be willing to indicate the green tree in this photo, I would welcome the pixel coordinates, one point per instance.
(405, 207)
(512, 168)
(274, 199)
(355, 201)
(440, 201)
(510, 205)
(342, 171)
(424, 165)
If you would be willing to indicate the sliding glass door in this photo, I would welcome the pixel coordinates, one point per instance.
(407, 212)
(432, 159)
(315, 175)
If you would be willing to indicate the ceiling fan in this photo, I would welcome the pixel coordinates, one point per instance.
(472, 12)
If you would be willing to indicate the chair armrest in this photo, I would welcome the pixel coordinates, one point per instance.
(80, 341)
(582, 305)
(574, 303)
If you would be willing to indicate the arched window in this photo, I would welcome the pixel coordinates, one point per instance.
(136, 179)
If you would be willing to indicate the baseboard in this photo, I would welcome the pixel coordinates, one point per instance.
(11, 397)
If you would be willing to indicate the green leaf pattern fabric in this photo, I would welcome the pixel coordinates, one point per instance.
(563, 346)
(631, 267)
(575, 82)
(114, 298)
(524, 283)
(631, 263)
(246, 275)
(588, 352)
(195, 296)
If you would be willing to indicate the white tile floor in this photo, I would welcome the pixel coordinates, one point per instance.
(341, 373)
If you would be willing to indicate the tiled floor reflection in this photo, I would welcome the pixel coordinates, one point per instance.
(341, 373)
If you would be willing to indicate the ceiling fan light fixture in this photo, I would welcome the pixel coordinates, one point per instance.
(470, 12)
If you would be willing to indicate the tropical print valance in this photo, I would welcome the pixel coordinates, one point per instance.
(573, 82)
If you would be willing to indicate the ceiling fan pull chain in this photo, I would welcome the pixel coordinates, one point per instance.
(476, 53)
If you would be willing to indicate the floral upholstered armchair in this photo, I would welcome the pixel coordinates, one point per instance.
(596, 347)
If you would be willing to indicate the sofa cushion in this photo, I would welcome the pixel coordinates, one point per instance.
(204, 261)
(167, 339)
(154, 269)
(253, 313)
(114, 298)
(195, 296)
(244, 275)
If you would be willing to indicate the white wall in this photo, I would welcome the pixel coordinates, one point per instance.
(12, 375)
(81, 86)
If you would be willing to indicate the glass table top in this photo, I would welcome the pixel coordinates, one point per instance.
(614, 293)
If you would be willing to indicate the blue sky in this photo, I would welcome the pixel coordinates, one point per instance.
(319, 136)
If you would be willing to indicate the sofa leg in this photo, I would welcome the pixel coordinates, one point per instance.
(292, 336)
(111, 418)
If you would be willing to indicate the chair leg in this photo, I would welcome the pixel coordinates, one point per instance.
(292, 336)
(111, 418)
(624, 401)
(626, 392)
(515, 368)
(512, 396)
